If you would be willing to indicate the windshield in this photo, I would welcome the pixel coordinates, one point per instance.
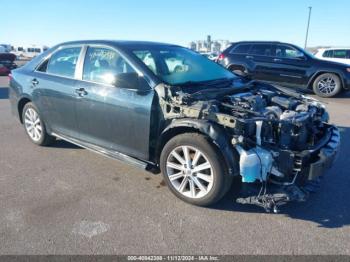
(177, 65)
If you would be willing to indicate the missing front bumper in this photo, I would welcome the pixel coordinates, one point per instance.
(271, 196)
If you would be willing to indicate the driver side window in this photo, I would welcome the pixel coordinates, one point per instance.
(102, 65)
(284, 51)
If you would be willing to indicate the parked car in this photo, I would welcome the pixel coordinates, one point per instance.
(286, 64)
(7, 63)
(200, 126)
(341, 55)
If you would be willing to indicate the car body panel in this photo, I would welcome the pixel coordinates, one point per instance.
(115, 118)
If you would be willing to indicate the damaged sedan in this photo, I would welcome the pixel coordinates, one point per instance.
(168, 109)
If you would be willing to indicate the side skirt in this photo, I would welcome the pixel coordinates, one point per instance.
(108, 153)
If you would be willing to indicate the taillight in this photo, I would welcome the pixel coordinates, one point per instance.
(10, 76)
(221, 57)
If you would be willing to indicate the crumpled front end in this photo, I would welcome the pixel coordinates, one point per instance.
(283, 139)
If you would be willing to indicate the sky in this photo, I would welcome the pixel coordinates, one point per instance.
(49, 22)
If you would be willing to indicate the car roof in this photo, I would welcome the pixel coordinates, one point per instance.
(120, 43)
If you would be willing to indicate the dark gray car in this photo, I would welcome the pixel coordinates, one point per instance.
(165, 108)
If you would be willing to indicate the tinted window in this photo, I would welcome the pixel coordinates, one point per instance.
(240, 49)
(328, 53)
(288, 52)
(339, 54)
(103, 65)
(261, 49)
(63, 62)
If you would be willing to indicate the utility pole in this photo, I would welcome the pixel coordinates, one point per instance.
(307, 28)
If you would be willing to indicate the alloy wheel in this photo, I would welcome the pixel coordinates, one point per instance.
(327, 85)
(33, 124)
(190, 171)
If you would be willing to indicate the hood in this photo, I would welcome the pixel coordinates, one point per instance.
(332, 64)
(7, 57)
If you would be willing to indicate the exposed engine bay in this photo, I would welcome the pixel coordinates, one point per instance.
(276, 134)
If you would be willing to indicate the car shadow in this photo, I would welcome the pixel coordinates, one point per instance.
(328, 208)
(4, 93)
(64, 145)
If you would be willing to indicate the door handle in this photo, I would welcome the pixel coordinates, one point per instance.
(277, 60)
(249, 57)
(81, 91)
(35, 82)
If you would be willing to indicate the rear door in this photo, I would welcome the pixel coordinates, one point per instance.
(261, 56)
(54, 90)
(113, 116)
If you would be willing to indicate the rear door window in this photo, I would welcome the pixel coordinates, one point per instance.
(241, 49)
(261, 49)
(63, 62)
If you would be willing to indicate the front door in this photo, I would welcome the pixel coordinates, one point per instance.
(290, 66)
(109, 115)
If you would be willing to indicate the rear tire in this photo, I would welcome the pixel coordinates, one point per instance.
(193, 170)
(239, 70)
(327, 85)
(35, 127)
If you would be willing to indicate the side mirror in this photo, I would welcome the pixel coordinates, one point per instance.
(300, 56)
(128, 80)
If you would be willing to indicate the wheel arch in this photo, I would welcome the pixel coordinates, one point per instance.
(318, 73)
(213, 132)
(238, 66)
(20, 105)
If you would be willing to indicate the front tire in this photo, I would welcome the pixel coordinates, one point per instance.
(193, 170)
(327, 85)
(34, 126)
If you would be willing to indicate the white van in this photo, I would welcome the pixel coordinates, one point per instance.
(33, 51)
(341, 55)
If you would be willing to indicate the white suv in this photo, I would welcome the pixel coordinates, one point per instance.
(341, 55)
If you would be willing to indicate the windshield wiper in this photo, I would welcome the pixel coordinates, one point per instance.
(207, 82)
(221, 91)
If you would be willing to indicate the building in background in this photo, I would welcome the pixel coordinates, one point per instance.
(209, 45)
